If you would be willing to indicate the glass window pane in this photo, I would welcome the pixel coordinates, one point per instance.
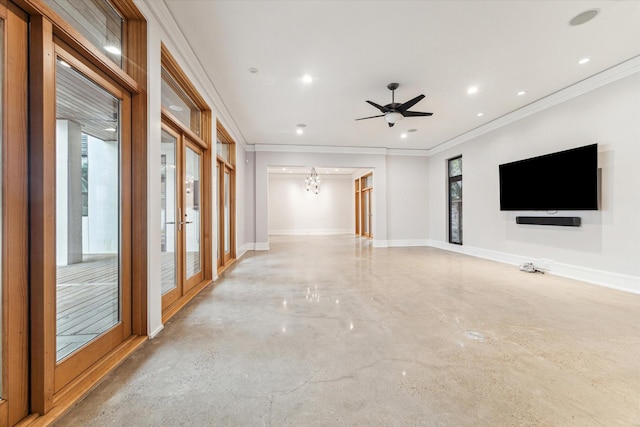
(87, 247)
(223, 150)
(179, 104)
(193, 195)
(455, 167)
(168, 207)
(96, 20)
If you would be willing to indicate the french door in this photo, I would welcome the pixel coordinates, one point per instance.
(92, 216)
(182, 234)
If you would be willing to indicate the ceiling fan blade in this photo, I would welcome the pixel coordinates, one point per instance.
(415, 114)
(410, 103)
(379, 107)
(372, 117)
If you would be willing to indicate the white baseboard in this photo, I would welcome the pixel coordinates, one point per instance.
(153, 334)
(261, 246)
(310, 232)
(407, 242)
(607, 279)
(244, 249)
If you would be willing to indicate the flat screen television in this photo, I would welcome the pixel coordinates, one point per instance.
(566, 180)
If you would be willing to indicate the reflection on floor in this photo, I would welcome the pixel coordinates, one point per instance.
(325, 330)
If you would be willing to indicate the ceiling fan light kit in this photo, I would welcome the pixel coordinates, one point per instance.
(395, 111)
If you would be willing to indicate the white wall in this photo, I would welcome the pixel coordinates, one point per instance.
(265, 159)
(606, 248)
(407, 207)
(293, 210)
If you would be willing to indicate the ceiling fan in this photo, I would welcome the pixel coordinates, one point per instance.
(396, 111)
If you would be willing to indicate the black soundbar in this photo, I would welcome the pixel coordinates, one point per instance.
(566, 221)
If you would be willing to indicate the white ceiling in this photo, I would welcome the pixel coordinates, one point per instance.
(353, 49)
(322, 171)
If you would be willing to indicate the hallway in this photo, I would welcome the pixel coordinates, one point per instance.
(325, 330)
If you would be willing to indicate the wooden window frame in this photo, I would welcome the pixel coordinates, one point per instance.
(451, 180)
(203, 141)
(14, 405)
(223, 165)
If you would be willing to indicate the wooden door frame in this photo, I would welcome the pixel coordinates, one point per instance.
(225, 260)
(15, 271)
(45, 25)
(191, 282)
(174, 294)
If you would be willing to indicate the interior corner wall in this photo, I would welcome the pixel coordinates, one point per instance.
(245, 202)
(606, 248)
(295, 211)
(407, 207)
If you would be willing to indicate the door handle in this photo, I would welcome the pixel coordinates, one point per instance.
(181, 223)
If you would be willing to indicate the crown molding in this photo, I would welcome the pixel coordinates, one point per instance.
(596, 81)
(320, 149)
(180, 48)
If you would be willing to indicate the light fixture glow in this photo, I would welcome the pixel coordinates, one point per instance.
(64, 63)
(472, 90)
(584, 61)
(110, 129)
(299, 131)
(522, 92)
(480, 114)
(393, 117)
(307, 79)
(176, 107)
(113, 49)
(403, 135)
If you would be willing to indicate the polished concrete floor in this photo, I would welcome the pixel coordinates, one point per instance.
(329, 331)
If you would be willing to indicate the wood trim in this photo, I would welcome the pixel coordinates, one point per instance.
(85, 383)
(87, 69)
(174, 308)
(170, 64)
(79, 43)
(15, 226)
(136, 48)
(42, 214)
(181, 128)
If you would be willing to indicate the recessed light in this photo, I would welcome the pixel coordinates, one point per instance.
(472, 90)
(301, 125)
(480, 114)
(403, 135)
(522, 92)
(307, 78)
(253, 70)
(299, 131)
(110, 129)
(584, 61)
(64, 63)
(584, 17)
(176, 107)
(284, 169)
(112, 49)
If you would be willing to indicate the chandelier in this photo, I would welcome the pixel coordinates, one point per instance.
(313, 181)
